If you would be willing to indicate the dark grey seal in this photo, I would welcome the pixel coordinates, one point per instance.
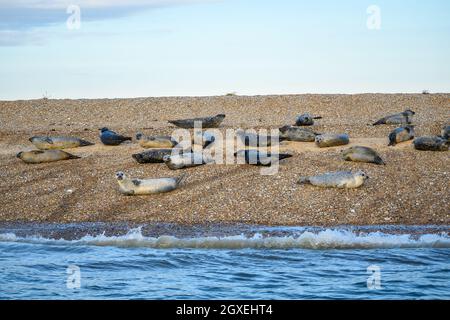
(207, 122)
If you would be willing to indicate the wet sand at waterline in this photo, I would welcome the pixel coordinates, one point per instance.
(413, 188)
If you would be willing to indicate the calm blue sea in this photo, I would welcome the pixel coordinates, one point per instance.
(242, 262)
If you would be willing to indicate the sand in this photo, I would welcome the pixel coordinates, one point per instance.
(413, 188)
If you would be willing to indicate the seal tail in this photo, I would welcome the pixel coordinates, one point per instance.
(72, 156)
(180, 178)
(379, 161)
(84, 143)
(282, 156)
(304, 180)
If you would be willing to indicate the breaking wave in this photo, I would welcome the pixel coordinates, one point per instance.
(325, 239)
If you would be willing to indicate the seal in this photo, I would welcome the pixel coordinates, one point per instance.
(205, 138)
(207, 122)
(152, 156)
(401, 134)
(332, 140)
(58, 142)
(445, 133)
(291, 133)
(404, 117)
(258, 158)
(41, 156)
(306, 119)
(431, 143)
(131, 187)
(155, 141)
(111, 138)
(338, 179)
(186, 160)
(362, 154)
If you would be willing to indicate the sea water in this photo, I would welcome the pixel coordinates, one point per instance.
(98, 261)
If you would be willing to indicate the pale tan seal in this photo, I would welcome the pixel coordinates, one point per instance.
(339, 179)
(332, 140)
(155, 141)
(41, 156)
(130, 187)
(58, 142)
(362, 154)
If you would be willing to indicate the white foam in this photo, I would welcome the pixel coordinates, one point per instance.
(326, 239)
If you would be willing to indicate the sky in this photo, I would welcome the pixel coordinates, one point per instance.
(212, 47)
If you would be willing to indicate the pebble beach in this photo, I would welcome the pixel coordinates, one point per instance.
(411, 189)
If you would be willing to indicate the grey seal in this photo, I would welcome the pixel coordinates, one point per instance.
(258, 158)
(306, 119)
(152, 156)
(207, 122)
(401, 134)
(332, 140)
(111, 138)
(58, 142)
(431, 143)
(404, 117)
(339, 179)
(362, 154)
(130, 187)
(41, 156)
(291, 133)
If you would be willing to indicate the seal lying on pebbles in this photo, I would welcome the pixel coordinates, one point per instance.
(445, 133)
(40, 156)
(155, 141)
(152, 156)
(50, 143)
(110, 138)
(306, 119)
(206, 138)
(362, 154)
(404, 117)
(401, 134)
(259, 158)
(251, 139)
(332, 140)
(432, 143)
(207, 122)
(291, 133)
(339, 179)
(131, 187)
(186, 160)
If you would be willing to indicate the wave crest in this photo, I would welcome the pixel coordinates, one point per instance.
(326, 239)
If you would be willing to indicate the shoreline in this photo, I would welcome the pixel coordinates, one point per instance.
(411, 190)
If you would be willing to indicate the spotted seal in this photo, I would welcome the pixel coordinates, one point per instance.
(130, 186)
(339, 179)
(41, 156)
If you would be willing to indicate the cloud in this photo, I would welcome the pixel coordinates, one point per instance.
(22, 20)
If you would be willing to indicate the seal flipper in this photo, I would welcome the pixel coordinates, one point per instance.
(180, 179)
(72, 156)
(84, 143)
(379, 161)
(136, 182)
(282, 156)
(392, 141)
